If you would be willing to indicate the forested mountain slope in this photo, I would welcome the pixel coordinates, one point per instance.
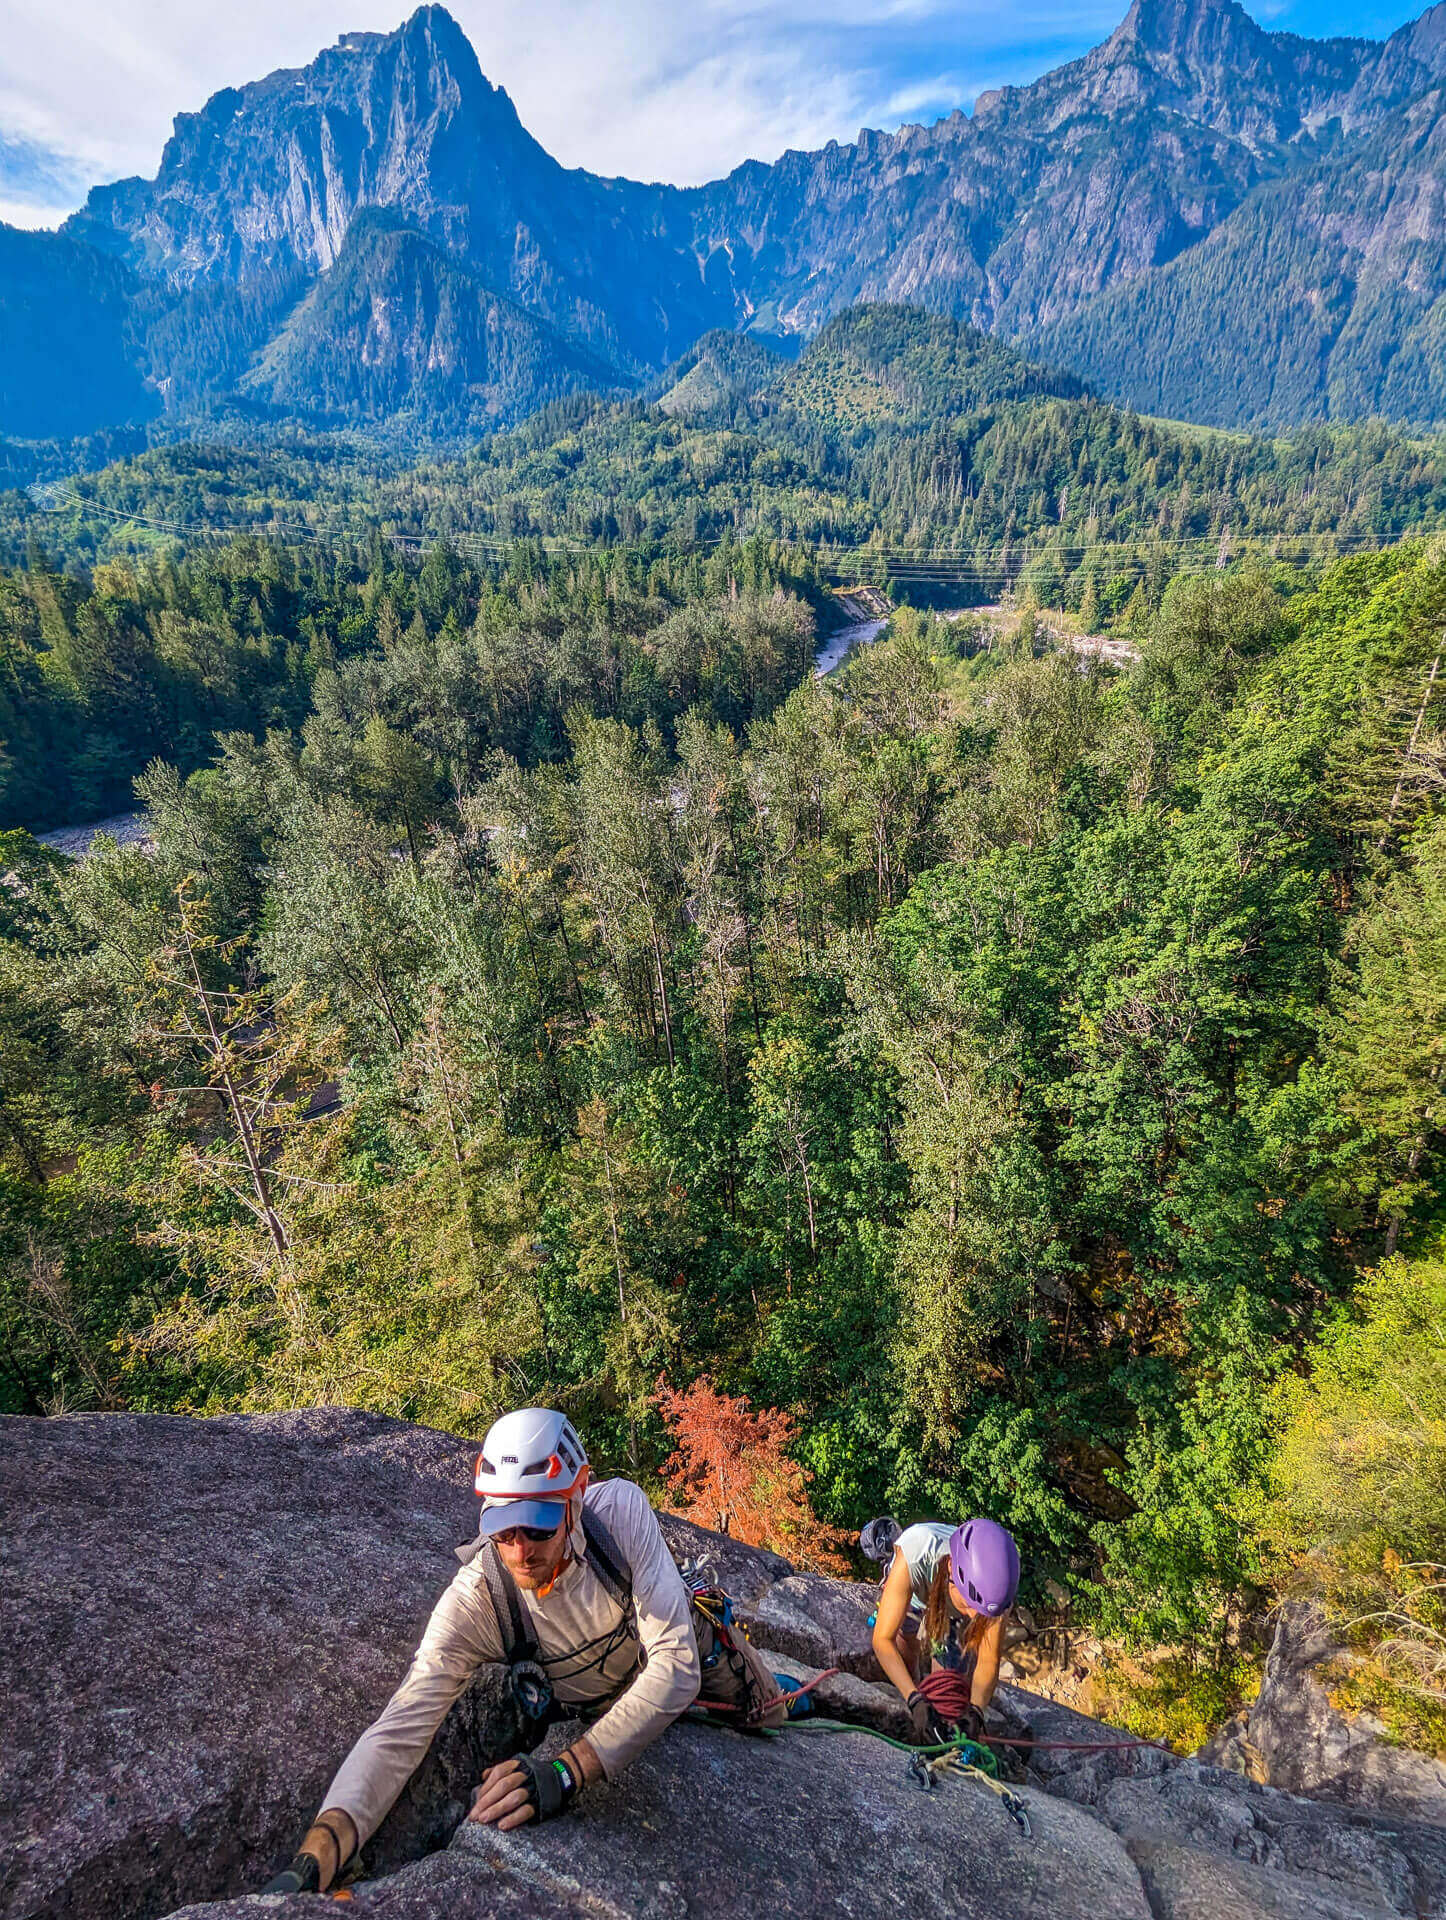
(1323, 297)
(1194, 181)
(895, 432)
(396, 329)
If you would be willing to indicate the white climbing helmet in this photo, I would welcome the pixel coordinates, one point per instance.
(529, 1466)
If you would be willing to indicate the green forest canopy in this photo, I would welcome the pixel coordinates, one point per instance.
(1027, 1077)
(1003, 1066)
(896, 430)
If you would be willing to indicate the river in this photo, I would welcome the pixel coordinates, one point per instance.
(129, 828)
(836, 648)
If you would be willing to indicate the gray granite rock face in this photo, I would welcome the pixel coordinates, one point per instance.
(1183, 1884)
(197, 1618)
(823, 1621)
(1307, 1746)
(744, 1572)
(1377, 1862)
(796, 1827)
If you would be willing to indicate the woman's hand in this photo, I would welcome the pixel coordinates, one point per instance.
(929, 1729)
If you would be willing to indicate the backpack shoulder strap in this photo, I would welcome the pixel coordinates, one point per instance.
(607, 1560)
(518, 1640)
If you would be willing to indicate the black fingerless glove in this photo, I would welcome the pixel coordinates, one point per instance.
(971, 1724)
(302, 1876)
(929, 1729)
(552, 1785)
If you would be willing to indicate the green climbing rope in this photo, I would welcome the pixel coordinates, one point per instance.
(970, 1752)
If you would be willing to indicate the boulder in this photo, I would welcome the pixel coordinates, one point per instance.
(858, 1703)
(1307, 1745)
(1376, 1862)
(713, 1559)
(1183, 1884)
(811, 1617)
(1077, 1758)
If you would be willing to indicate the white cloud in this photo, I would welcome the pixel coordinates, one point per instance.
(640, 87)
(23, 213)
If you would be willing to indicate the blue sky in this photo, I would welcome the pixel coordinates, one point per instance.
(658, 89)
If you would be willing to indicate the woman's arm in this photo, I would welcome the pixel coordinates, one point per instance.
(986, 1665)
(889, 1622)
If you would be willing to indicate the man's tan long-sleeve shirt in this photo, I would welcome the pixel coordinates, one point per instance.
(586, 1643)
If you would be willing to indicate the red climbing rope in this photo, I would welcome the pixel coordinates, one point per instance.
(727, 1706)
(798, 1692)
(950, 1691)
(1074, 1746)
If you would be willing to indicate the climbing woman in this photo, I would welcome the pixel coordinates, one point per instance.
(963, 1584)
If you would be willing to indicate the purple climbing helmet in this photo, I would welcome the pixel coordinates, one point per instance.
(984, 1566)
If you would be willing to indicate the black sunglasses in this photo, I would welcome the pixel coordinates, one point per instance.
(539, 1534)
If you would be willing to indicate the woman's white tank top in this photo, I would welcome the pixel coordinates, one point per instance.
(923, 1546)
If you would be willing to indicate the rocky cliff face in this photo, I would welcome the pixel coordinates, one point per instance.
(273, 174)
(198, 1616)
(1078, 208)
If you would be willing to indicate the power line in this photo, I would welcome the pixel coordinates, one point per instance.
(934, 565)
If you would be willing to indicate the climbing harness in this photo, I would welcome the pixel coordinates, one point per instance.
(721, 1636)
(532, 1685)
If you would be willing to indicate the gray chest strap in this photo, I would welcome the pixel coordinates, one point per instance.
(603, 1555)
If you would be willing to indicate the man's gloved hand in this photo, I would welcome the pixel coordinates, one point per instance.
(929, 1729)
(302, 1876)
(553, 1785)
(328, 1843)
(523, 1789)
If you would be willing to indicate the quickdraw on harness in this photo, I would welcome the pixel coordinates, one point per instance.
(713, 1610)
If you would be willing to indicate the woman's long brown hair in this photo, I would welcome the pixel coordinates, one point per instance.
(938, 1612)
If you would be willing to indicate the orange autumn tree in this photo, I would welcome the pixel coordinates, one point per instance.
(731, 1470)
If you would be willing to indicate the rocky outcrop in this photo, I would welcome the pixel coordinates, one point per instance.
(823, 1622)
(1307, 1745)
(198, 1616)
(800, 1826)
(1069, 212)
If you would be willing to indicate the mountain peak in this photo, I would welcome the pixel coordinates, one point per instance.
(1174, 26)
(1170, 25)
(435, 27)
(1209, 61)
(404, 119)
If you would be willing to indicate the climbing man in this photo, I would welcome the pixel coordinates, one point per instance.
(569, 1586)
